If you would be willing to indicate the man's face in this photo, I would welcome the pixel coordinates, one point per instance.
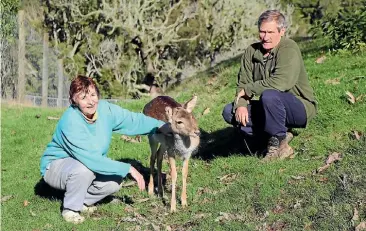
(269, 35)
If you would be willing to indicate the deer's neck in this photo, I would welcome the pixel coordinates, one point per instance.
(184, 145)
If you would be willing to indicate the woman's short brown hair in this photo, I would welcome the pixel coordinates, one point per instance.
(81, 84)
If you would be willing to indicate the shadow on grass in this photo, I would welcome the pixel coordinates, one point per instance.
(226, 142)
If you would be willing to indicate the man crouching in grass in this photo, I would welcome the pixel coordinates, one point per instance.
(273, 93)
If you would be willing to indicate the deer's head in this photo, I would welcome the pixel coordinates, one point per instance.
(182, 120)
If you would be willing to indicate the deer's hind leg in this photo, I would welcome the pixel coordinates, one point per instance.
(160, 155)
(154, 148)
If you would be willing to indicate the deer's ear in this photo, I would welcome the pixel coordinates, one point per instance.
(169, 113)
(190, 104)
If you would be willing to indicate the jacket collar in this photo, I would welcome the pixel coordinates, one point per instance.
(258, 54)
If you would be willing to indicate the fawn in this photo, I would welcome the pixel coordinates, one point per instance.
(183, 141)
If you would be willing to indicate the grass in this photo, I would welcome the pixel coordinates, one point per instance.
(228, 189)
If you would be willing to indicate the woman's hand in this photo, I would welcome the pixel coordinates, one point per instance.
(138, 177)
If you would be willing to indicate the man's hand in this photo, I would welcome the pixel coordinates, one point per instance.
(242, 116)
(138, 177)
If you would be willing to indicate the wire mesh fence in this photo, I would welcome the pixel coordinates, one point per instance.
(28, 58)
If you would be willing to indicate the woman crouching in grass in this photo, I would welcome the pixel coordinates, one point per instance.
(76, 159)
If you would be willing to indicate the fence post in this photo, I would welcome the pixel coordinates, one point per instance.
(21, 57)
(60, 74)
(45, 70)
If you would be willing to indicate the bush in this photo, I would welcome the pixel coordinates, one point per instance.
(345, 30)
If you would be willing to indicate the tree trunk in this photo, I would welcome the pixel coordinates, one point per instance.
(60, 85)
(45, 70)
(21, 58)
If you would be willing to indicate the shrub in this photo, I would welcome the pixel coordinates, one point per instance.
(345, 30)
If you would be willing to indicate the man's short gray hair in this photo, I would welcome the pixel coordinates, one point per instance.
(273, 15)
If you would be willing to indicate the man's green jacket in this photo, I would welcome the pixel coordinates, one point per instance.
(283, 70)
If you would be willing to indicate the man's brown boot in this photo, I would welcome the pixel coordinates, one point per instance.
(277, 149)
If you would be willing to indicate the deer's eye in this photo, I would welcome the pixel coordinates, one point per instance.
(179, 122)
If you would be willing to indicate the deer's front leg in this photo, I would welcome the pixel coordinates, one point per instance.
(184, 181)
(173, 174)
(154, 148)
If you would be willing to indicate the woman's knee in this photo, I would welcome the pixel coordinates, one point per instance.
(81, 172)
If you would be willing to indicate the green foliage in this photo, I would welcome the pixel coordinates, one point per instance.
(8, 20)
(345, 30)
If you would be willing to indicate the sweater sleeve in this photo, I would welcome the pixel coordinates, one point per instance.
(245, 76)
(132, 123)
(284, 77)
(75, 141)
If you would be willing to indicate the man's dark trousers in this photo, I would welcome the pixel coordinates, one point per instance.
(274, 113)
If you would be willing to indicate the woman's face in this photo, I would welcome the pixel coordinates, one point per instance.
(87, 101)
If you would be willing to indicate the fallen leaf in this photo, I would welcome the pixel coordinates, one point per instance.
(32, 213)
(6, 198)
(278, 209)
(321, 169)
(320, 59)
(212, 80)
(128, 184)
(351, 97)
(297, 204)
(25, 203)
(227, 179)
(52, 118)
(281, 170)
(129, 209)
(132, 140)
(361, 226)
(356, 135)
(323, 179)
(142, 200)
(297, 177)
(359, 98)
(356, 216)
(335, 81)
(335, 156)
(206, 111)
(201, 215)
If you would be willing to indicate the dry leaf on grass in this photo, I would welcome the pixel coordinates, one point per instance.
(361, 226)
(6, 198)
(356, 135)
(335, 81)
(229, 217)
(137, 139)
(227, 179)
(321, 59)
(52, 118)
(128, 184)
(142, 200)
(335, 156)
(206, 111)
(212, 80)
(356, 215)
(351, 98)
(297, 177)
(25, 203)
